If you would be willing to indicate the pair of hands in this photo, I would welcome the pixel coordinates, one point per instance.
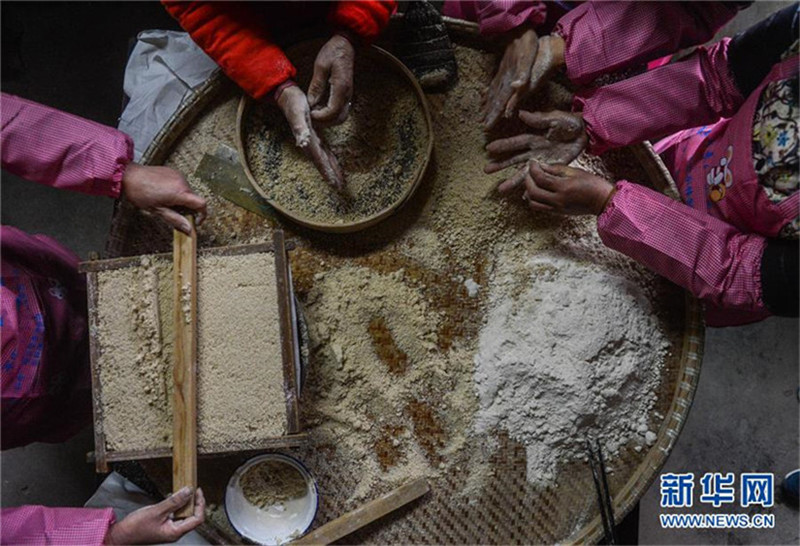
(527, 63)
(333, 75)
(154, 524)
(550, 186)
(563, 138)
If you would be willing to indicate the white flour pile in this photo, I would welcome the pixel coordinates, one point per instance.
(573, 351)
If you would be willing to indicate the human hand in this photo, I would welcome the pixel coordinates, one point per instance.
(549, 57)
(333, 69)
(511, 80)
(564, 139)
(159, 190)
(294, 105)
(562, 189)
(153, 524)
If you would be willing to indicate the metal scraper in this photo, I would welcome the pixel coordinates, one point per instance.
(222, 173)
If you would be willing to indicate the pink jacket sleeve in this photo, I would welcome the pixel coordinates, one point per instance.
(51, 147)
(708, 257)
(603, 37)
(498, 16)
(42, 525)
(696, 91)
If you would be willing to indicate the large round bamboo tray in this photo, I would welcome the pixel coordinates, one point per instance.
(347, 227)
(508, 510)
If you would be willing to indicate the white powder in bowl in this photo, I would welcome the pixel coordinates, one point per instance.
(576, 354)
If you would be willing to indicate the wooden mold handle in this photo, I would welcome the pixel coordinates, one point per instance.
(184, 432)
(366, 514)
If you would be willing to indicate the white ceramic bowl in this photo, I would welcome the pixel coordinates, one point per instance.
(277, 524)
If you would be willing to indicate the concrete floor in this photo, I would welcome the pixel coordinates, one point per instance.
(745, 413)
(71, 56)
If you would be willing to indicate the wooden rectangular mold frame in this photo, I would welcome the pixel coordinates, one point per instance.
(289, 352)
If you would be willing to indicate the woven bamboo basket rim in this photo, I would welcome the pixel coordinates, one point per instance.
(347, 227)
(694, 331)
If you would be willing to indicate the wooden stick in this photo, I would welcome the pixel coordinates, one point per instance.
(156, 307)
(241, 449)
(101, 463)
(290, 378)
(184, 432)
(119, 263)
(364, 515)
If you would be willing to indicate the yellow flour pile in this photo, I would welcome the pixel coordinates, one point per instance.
(239, 372)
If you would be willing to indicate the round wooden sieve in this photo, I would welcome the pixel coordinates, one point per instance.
(345, 227)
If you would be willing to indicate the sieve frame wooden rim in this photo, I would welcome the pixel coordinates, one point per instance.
(348, 227)
(294, 435)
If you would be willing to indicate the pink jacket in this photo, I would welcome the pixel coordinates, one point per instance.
(499, 16)
(603, 37)
(50, 147)
(40, 525)
(45, 376)
(713, 248)
(712, 259)
(644, 107)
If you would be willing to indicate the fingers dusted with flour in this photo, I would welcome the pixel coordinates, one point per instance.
(511, 80)
(563, 139)
(333, 75)
(294, 105)
(549, 58)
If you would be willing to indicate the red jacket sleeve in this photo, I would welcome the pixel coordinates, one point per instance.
(365, 18)
(45, 145)
(237, 40)
(43, 525)
(708, 257)
(696, 91)
(603, 37)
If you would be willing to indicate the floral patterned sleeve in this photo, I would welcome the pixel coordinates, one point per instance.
(776, 140)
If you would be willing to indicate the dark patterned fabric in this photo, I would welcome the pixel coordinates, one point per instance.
(775, 142)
